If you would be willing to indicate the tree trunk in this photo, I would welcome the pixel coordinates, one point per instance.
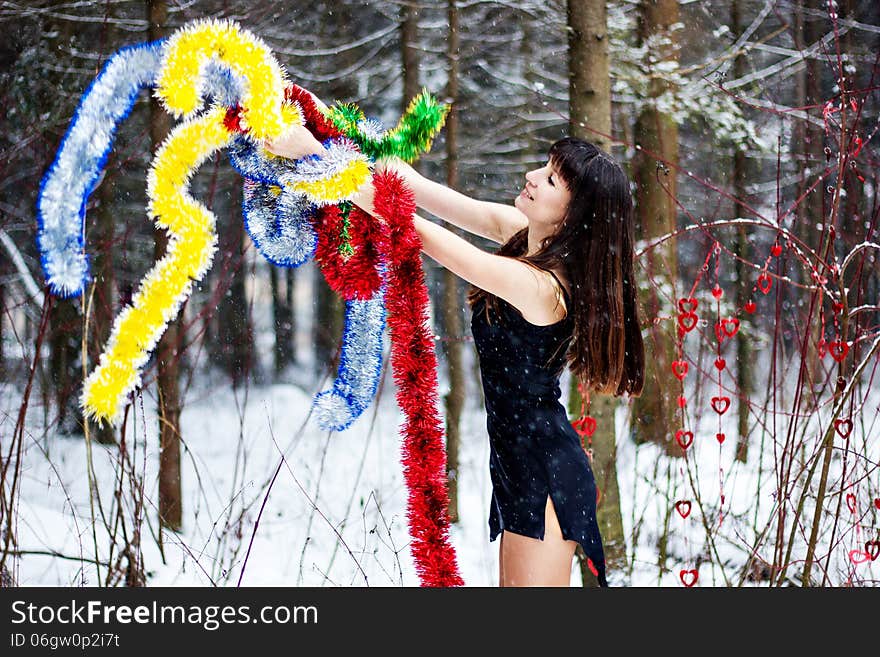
(808, 143)
(329, 315)
(654, 412)
(409, 30)
(235, 330)
(3, 313)
(590, 112)
(167, 351)
(103, 297)
(452, 321)
(65, 322)
(282, 313)
(744, 369)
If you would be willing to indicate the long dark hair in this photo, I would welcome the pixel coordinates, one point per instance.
(594, 246)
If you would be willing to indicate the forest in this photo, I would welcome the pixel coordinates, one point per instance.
(748, 129)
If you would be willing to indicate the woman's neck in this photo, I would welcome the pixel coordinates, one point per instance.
(536, 237)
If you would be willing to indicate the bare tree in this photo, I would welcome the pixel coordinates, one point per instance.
(590, 119)
(452, 320)
(656, 134)
(168, 349)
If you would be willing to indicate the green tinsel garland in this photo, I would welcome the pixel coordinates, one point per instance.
(413, 135)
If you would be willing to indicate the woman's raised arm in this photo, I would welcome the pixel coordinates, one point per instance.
(494, 221)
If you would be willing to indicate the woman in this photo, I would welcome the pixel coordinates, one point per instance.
(560, 290)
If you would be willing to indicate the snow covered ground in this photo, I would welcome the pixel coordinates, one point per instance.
(335, 515)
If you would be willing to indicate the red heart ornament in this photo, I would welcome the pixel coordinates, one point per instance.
(720, 363)
(720, 438)
(765, 283)
(684, 508)
(687, 305)
(684, 438)
(843, 427)
(857, 556)
(820, 347)
(750, 307)
(872, 549)
(776, 249)
(877, 502)
(851, 502)
(720, 404)
(687, 321)
(681, 401)
(838, 307)
(719, 332)
(838, 350)
(688, 577)
(680, 369)
(717, 292)
(731, 322)
(585, 426)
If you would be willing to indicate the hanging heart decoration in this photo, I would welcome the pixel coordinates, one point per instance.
(683, 507)
(720, 363)
(717, 292)
(688, 577)
(857, 556)
(776, 250)
(765, 283)
(720, 404)
(687, 321)
(843, 427)
(750, 307)
(838, 350)
(680, 369)
(687, 305)
(872, 549)
(720, 438)
(684, 438)
(585, 426)
(851, 502)
(681, 401)
(730, 325)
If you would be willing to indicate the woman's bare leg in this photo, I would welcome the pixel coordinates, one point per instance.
(501, 561)
(530, 561)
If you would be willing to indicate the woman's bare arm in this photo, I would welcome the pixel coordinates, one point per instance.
(493, 221)
(530, 290)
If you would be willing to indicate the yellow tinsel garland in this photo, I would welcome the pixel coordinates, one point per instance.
(190, 250)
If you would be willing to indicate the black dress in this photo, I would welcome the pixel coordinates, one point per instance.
(533, 449)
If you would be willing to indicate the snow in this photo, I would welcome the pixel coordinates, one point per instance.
(336, 514)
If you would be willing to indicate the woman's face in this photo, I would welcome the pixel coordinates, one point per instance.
(545, 198)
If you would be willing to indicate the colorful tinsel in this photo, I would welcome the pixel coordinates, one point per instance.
(163, 290)
(415, 372)
(192, 242)
(61, 204)
(412, 136)
(284, 205)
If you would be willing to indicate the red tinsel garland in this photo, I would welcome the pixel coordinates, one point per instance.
(320, 126)
(415, 372)
(413, 360)
(353, 276)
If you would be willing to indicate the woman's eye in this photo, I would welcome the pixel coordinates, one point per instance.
(550, 180)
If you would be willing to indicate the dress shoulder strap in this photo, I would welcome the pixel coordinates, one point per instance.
(558, 282)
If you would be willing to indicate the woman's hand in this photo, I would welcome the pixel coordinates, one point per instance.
(295, 143)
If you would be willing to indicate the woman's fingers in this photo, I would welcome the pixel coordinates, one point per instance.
(296, 142)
